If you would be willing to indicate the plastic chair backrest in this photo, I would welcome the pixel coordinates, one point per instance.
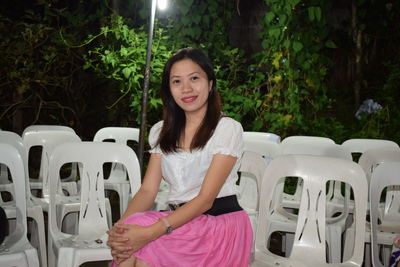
(120, 134)
(304, 139)
(325, 149)
(91, 157)
(387, 174)
(15, 141)
(371, 158)
(10, 157)
(34, 128)
(252, 169)
(249, 135)
(48, 140)
(310, 231)
(360, 145)
(267, 149)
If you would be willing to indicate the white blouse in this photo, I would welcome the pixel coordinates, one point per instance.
(185, 171)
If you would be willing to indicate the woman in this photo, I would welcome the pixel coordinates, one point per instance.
(197, 151)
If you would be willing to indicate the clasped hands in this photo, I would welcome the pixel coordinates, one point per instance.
(125, 239)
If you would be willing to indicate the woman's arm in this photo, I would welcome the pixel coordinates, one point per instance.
(144, 198)
(142, 201)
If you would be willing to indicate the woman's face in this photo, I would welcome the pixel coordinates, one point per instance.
(189, 87)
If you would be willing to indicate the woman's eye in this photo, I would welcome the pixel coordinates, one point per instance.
(195, 78)
(175, 82)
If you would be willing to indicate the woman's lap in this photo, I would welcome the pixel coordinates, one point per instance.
(223, 240)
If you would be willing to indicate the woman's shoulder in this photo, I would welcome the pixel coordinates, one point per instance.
(228, 122)
(155, 132)
(157, 126)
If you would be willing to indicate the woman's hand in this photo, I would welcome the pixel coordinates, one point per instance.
(120, 250)
(134, 236)
(124, 239)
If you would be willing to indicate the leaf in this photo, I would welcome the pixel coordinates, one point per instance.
(330, 44)
(286, 43)
(274, 32)
(265, 44)
(185, 21)
(317, 13)
(293, 3)
(197, 19)
(127, 72)
(269, 17)
(297, 46)
(311, 13)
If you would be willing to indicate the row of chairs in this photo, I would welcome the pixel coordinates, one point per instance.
(336, 200)
(62, 146)
(252, 163)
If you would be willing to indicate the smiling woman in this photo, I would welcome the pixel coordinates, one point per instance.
(197, 151)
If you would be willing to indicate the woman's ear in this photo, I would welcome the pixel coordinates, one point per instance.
(210, 84)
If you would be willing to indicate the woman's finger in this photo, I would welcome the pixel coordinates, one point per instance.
(120, 248)
(123, 227)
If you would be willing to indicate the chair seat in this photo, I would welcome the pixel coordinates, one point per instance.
(18, 255)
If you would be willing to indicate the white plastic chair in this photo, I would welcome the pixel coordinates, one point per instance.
(371, 158)
(335, 203)
(369, 161)
(360, 145)
(48, 139)
(262, 146)
(37, 127)
(36, 228)
(117, 180)
(16, 249)
(259, 151)
(320, 148)
(252, 169)
(309, 244)
(305, 139)
(306, 145)
(386, 175)
(89, 244)
(262, 136)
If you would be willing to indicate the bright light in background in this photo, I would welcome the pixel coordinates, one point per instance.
(162, 4)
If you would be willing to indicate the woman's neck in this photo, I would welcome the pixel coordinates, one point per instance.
(193, 123)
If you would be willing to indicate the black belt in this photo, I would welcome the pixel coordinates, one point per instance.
(220, 206)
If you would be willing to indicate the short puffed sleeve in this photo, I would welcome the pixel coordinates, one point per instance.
(153, 137)
(228, 138)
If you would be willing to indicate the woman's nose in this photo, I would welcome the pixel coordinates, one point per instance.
(187, 87)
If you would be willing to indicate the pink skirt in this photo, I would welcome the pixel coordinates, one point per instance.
(224, 240)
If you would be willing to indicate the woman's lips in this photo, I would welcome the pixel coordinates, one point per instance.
(189, 99)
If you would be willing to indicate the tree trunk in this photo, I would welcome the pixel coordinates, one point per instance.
(357, 39)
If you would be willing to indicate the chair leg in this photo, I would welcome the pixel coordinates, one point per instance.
(334, 241)
(348, 244)
(38, 236)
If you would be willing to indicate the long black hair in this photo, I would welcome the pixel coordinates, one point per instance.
(174, 116)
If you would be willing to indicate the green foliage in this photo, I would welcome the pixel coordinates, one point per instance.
(120, 54)
(297, 68)
(282, 89)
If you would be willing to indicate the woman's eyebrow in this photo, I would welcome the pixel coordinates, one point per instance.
(178, 76)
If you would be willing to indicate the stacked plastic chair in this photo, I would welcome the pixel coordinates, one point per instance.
(36, 228)
(89, 244)
(117, 180)
(369, 161)
(385, 223)
(309, 248)
(251, 171)
(16, 249)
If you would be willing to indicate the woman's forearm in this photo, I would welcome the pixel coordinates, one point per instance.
(142, 201)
